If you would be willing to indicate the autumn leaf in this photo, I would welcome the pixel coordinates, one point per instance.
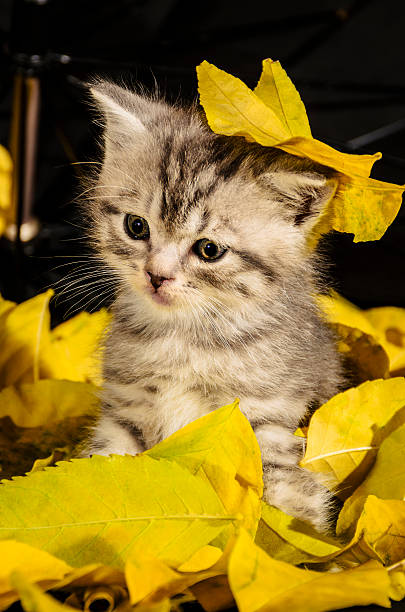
(382, 526)
(47, 401)
(6, 168)
(24, 333)
(259, 582)
(389, 325)
(385, 324)
(278, 93)
(364, 356)
(273, 115)
(75, 351)
(150, 580)
(344, 435)
(39, 418)
(38, 565)
(385, 480)
(222, 449)
(155, 507)
(288, 539)
(33, 599)
(397, 580)
(32, 351)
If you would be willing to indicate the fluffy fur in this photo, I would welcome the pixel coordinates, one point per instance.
(245, 325)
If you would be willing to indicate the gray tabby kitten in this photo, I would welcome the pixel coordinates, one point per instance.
(205, 236)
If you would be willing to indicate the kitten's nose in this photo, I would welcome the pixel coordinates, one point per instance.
(155, 280)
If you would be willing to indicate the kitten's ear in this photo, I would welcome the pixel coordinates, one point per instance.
(123, 110)
(303, 195)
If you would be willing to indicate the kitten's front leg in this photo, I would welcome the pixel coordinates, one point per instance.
(294, 490)
(114, 435)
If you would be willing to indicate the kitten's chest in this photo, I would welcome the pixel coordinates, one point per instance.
(176, 359)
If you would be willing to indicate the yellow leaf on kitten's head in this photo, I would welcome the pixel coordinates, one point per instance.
(234, 110)
(274, 116)
(278, 93)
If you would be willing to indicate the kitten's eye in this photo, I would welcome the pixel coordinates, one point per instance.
(208, 250)
(136, 227)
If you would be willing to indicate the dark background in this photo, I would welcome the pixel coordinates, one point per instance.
(346, 58)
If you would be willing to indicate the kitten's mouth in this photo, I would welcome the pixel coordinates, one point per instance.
(159, 296)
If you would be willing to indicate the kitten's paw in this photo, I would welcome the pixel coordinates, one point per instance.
(300, 494)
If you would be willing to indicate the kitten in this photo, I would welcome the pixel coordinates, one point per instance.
(206, 238)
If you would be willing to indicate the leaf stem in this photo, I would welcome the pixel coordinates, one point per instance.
(339, 452)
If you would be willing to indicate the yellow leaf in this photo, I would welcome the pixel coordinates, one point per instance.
(382, 527)
(146, 576)
(364, 207)
(386, 325)
(259, 582)
(33, 599)
(345, 433)
(37, 419)
(152, 580)
(222, 449)
(74, 353)
(31, 351)
(5, 307)
(397, 578)
(386, 480)
(90, 575)
(69, 510)
(47, 401)
(389, 325)
(36, 565)
(204, 558)
(233, 109)
(364, 356)
(277, 91)
(24, 333)
(6, 168)
(338, 310)
(299, 541)
(379, 534)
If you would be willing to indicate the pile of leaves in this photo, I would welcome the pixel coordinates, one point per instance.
(185, 521)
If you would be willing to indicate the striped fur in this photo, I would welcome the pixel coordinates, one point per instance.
(245, 325)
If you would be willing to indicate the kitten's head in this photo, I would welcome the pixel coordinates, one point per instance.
(187, 219)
